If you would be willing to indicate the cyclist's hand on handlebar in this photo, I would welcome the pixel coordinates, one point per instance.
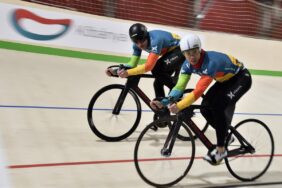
(156, 105)
(108, 72)
(122, 73)
(111, 71)
(173, 108)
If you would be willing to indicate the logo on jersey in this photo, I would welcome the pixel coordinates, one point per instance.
(231, 94)
(205, 71)
(20, 14)
(155, 49)
(167, 61)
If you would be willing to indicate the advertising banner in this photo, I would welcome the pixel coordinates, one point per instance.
(32, 25)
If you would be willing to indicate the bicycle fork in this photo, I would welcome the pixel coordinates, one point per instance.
(170, 140)
(120, 101)
(131, 82)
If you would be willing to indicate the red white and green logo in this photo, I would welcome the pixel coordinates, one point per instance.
(20, 14)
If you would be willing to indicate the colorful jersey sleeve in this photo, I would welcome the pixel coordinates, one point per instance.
(133, 61)
(178, 89)
(136, 51)
(148, 66)
(181, 84)
(201, 86)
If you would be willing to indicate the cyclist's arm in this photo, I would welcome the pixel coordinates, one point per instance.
(178, 89)
(148, 66)
(133, 61)
(201, 86)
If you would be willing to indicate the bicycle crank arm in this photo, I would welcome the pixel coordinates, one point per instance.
(240, 151)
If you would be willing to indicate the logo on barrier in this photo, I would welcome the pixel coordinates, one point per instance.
(20, 14)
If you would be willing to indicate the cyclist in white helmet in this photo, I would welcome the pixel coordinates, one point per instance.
(232, 81)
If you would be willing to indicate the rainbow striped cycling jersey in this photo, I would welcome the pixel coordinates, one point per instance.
(160, 42)
(211, 66)
(219, 66)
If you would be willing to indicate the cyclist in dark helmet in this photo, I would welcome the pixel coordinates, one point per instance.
(164, 59)
(138, 32)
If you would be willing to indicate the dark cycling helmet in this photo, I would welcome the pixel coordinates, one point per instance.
(138, 32)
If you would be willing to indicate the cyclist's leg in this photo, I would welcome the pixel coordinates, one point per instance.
(174, 61)
(218, 117)
(208, 101)
(175, 75)
(214, 113)
(224, 107)
(159, 88)
(221, 120)
(235, 89)
(167, 65)
(229, 112)
(237, 86)
(161, 78)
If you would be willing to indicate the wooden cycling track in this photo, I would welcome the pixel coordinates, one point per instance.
(45, 140)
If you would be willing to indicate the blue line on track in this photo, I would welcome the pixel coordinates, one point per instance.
(146, 110)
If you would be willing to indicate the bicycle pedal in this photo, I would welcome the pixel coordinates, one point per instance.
(212, 163)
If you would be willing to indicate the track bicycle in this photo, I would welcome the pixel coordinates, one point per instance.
(162, 159)
(114, 112)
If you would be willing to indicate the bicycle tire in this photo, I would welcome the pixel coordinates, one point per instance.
(150, 143)
(255, 132)
(112, 132)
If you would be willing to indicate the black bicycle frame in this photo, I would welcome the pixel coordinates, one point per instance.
(170, 140)
(132, 83)
(184, 116)
(195, 129)
(246, 147)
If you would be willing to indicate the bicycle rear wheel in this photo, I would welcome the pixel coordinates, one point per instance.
(155, 168)
(250, 166)
(107, 125)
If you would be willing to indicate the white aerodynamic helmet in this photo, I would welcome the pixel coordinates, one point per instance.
(190, 41)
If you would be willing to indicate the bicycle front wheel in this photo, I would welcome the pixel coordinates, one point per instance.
(152, 165)
(111, 126)
(250, 166)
